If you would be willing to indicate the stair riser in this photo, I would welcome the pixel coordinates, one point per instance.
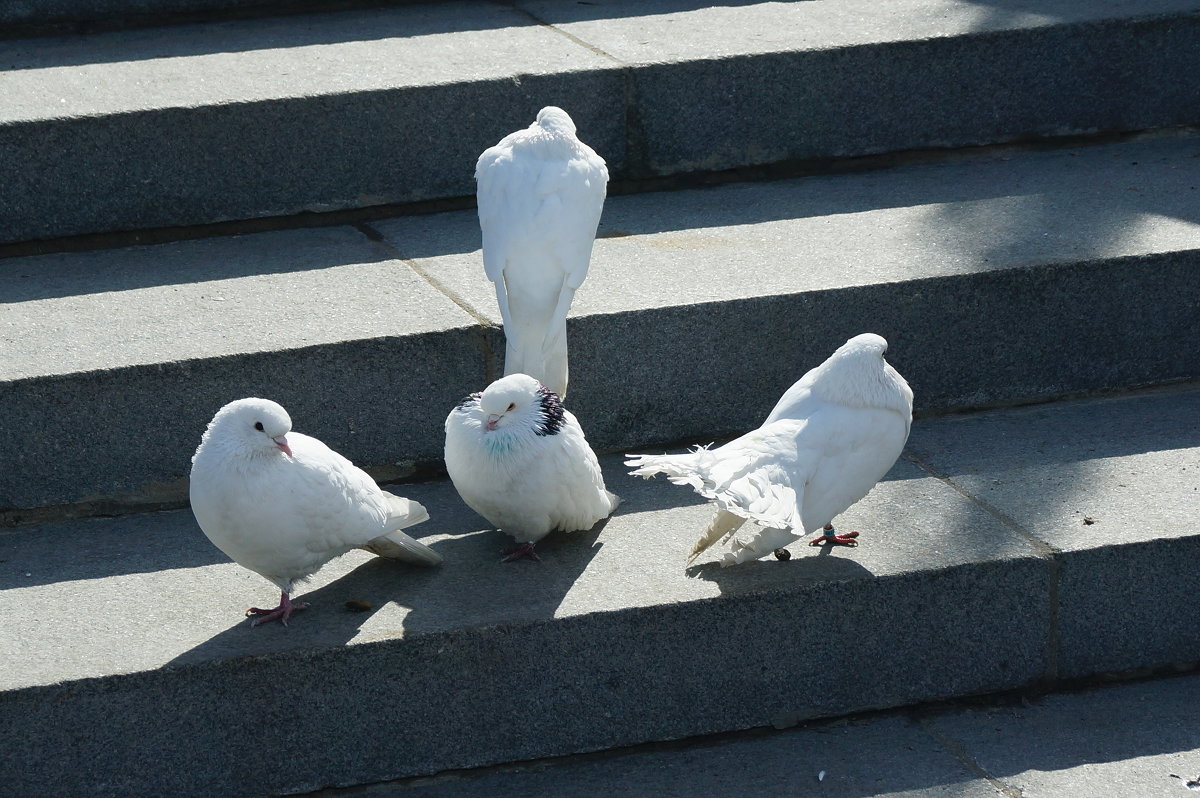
(660, 375)
(499, 694)
(187, 166)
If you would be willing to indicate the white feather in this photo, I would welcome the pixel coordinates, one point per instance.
(285, 516)
(532, 474)
(540, 193)
(829, 439)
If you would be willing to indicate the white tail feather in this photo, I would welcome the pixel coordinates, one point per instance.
(399, 546)
(396, 545)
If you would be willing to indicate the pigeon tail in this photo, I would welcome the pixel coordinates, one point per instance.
(681, 469)
(396, 545)
(543, 357)
(722, 526)
(399, 546)
(756, 493)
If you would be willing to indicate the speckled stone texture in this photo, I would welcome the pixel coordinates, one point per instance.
(966, 581)
(1138, 739)
(606, 642)
(276, 116)
(116, 360)
(1005, 277)
(1113, 487)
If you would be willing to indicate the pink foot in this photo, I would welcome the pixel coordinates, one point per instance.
(830, 538)
(520, 551)
(281, 613)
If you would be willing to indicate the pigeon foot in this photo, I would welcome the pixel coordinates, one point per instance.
(281, 613)
(520, 551)
(830, 538)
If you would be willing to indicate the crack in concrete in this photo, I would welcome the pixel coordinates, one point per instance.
(959, 752)
(483, 340)
(635, 144)
(1042, 549)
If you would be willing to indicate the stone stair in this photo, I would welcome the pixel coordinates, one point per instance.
(278, 204)
(1008, 549)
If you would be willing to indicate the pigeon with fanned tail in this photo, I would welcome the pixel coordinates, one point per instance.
(830, 438)
(519, 459)
(283, 504)
(540, 193)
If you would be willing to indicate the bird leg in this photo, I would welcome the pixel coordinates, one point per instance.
(830, 538)
(520, 551)
(280, 613)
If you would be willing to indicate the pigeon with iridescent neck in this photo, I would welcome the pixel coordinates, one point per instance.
(830, 438)
(519, 459)
(283, 504)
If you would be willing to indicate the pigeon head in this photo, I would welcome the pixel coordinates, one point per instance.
(519, 403)
(864, 345)
(509, 402)
(555, 119)
(253, 426)
(857, 375)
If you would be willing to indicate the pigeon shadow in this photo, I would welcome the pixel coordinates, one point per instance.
(822, 566)
(384, 599)
(97, 548)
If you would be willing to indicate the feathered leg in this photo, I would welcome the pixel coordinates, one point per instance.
(280, 613)
(765, 541)
(722, 525)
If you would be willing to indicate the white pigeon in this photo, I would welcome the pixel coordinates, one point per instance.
(540, 193)
(519, 459)
(830, 438)
(283, 504)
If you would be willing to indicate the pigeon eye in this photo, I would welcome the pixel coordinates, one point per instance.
(258, 426)
(512, 406)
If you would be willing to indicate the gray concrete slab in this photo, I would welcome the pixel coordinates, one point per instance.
(231, 120)
(275, 116)
(1113, 485)
(1129, 740)
(815, 80)
(1009, 276)
(1139, 739)
(606, 642)
(115, 360)
(888, 758)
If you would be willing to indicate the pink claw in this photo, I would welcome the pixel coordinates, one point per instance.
(281, 613)
(827, 539)
(520, 551)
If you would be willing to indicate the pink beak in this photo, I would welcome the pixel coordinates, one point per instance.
(491, 421)
(282, 443)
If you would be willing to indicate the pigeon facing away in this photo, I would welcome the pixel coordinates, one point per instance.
(520, 460)
(283, 504)
(540, 193)
(830, 438)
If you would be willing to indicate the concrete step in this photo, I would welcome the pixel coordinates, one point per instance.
(1009, 548)
(279, 116)
(1130, 739)
(1002, 277)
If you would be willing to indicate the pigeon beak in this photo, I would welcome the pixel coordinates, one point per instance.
(282, 443)
(492, 421)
